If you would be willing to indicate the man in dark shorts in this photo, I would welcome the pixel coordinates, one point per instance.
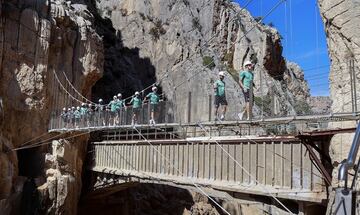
(246, 78)
(220, 98)
(136, 105)
(154, 101)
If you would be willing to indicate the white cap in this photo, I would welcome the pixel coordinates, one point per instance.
(222, 73)
(247, 63)
(154, 88)
(137, 93)
(119, 95)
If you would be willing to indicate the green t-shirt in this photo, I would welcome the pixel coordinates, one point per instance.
(220, 88)
(136, 102)
(114, 106)
(120, 103)
(83, 110)
(154, 98)
(77, 114)
(247, 78)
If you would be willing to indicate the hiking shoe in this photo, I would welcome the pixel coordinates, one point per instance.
(222, 117)
(241, 115)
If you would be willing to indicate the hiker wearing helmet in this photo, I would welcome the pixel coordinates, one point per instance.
(220, 98)
(136, 105)
(77, 116)
(69, 117)
(83, 113)
(100, 109)
(154, 101)
(64, 117)
(90, 115)
(114, 108)
(122, 106)
(246, 78)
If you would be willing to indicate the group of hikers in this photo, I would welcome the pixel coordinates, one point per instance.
(101, 114)
(111, 113)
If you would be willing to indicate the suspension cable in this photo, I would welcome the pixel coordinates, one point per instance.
(251, 176)
(180, 172)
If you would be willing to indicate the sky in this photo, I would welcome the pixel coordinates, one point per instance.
(304, 41)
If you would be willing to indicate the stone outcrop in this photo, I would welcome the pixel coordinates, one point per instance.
(320, 104)
(177, 46)
(136, 43)
(38, 39)
(342, 26)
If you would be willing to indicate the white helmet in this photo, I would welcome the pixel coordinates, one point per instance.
(77, 108)
(154, 88)
(100, 100)
(119, 95)
(222, 73)
(64, 109)
(69, 109)
(115, 97)
(137, 93)
(247, 63)
(73, 108)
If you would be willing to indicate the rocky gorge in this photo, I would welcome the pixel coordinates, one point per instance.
(111, 46)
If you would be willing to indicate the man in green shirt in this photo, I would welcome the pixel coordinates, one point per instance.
(246, 78)
(154, 101)
(136, 105)
(122, 107)
(114, 109)
(220, 98)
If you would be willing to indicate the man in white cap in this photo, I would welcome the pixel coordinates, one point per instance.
(154, 101)
(136, 105)
(122, 105)
(246, 78)
(220, 98)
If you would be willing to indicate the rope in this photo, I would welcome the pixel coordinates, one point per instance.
(251, 176)
(192, 181)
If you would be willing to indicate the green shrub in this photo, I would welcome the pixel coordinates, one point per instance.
(208, 62)
(157, 30)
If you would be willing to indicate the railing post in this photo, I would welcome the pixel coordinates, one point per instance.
(210, 106)
(189, 108)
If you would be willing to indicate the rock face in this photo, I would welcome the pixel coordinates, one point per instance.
(136, 43)
(39, 39)
(342, 26)
(178, 47)
(320, 104)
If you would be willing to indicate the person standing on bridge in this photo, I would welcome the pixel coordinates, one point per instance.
(136, 105)
(122, 105)
(114, 108)
(154, 101)
(220, 98)
(64, 117)
(83, 112)
(246, 78)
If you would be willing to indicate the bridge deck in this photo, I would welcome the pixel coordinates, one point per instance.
(279, 165)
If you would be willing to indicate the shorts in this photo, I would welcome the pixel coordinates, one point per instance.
(247, 95)
(153, 107)
(136, 110)
(220, 100)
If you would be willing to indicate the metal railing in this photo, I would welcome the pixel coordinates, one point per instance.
(104, 117)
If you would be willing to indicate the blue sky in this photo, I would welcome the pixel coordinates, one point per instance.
(304, 41)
